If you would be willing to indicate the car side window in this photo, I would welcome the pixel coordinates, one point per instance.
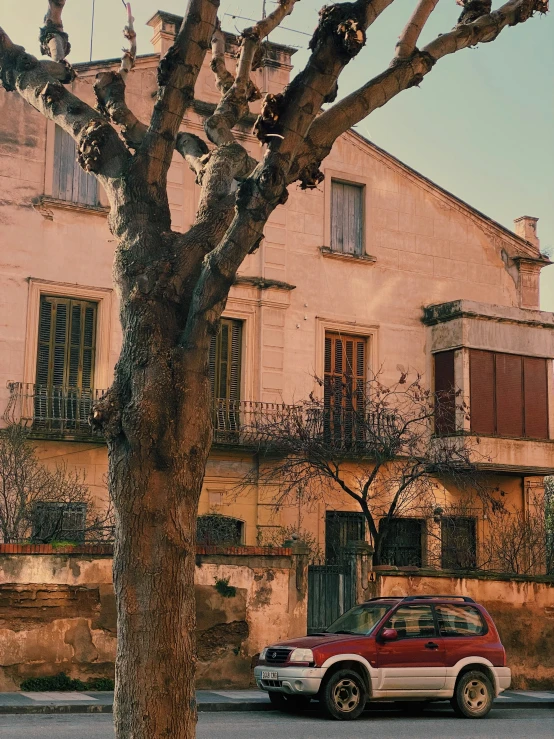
(412, 621)
(455, 620)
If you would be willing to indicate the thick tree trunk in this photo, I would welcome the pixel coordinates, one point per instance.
(158, 423)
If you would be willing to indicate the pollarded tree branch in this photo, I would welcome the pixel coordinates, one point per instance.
(177, 74)
(223, 78)
(109, 89)
(408, 39)
(405, 73)
(286, 118)
(99, 148)
(54, 41)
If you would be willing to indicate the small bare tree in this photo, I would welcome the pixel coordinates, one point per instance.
(25, 484)
(173, 286)
(376, 444)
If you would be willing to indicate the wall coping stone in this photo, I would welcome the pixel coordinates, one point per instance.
(107, 550)
(390, 571)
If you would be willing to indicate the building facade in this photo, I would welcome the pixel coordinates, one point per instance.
(378, 260)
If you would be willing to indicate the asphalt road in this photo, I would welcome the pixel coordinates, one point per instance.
(436, 724)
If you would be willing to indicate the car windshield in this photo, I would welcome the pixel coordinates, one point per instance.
(359, 620)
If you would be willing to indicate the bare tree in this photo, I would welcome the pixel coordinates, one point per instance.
(173, 287)
(26, 484)
(375, 444)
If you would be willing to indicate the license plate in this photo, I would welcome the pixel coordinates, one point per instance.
(270, 675)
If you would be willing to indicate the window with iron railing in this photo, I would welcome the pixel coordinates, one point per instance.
(225, 364)
(65, 362)
(58, 522)
(341, 529)
(403, 542)
(458, 543)
(344, 388)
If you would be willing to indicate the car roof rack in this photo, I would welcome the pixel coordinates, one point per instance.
(408, 598)
(465, 598)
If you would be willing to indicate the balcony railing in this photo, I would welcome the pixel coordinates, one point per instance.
(61, 412)
(47, 410)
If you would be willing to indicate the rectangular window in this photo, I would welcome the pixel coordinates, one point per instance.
(460, 621)
(70, 181)
(445, 393)
(403, 544)
(413, 622)
(225, 360)
(58, 522)
(508, 395)
(341, 528)
(65, 362)
(458, 543)
(225, 377)
(344, 388)
(347, 214)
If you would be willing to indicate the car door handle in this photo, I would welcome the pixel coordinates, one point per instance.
(431, 645)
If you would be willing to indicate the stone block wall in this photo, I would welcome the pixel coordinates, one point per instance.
(57, 611)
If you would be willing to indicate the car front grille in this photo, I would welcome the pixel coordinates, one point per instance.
(277, 655)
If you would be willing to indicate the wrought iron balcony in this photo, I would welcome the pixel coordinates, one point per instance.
(62, 412)
(51, 411)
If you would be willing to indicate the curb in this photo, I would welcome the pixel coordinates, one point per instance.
(233, 707)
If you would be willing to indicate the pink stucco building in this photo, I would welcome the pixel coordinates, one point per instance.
(377, 253)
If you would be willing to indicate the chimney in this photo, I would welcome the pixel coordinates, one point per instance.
(526, 228)
(165, 27)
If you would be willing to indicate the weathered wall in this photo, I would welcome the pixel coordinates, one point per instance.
(522, 608)
(57, 613)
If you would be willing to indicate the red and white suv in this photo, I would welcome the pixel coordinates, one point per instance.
(417, 649)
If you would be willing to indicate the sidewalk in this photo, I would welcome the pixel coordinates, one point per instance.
(208, 701)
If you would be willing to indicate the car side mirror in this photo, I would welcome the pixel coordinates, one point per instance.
(389, 635)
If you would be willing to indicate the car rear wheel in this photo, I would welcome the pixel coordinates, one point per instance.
(288, 703)
(343, 695)
(473, 695)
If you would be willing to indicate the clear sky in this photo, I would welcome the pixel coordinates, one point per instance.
(481, 125)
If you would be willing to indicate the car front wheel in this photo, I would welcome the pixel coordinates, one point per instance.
(473, 696)
(344, 695)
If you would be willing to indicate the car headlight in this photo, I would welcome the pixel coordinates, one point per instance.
(263, 654)
(301, 655)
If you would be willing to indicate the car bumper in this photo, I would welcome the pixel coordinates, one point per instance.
(503, 678)
(291, 680)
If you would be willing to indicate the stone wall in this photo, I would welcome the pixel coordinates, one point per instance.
(57, 611)
(522, 608)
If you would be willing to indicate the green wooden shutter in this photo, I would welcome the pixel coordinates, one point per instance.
(347, 217)
(66, 343)
(70, 181)
(224, 365)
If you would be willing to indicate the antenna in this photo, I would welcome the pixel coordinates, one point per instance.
(92, 29)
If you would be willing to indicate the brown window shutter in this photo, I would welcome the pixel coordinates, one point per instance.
(70, 181)
(445, 393)
(224, 365)
(347, 217)
(482, 389)
(509, 395)
(535, 389)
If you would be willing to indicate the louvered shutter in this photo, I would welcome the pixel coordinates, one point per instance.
(70, 181)
(509, 395)
(535, 388)
(346, 217)
(344, 381)
(66, 343)
(482, 392)
(445, 393)
(224, 365)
